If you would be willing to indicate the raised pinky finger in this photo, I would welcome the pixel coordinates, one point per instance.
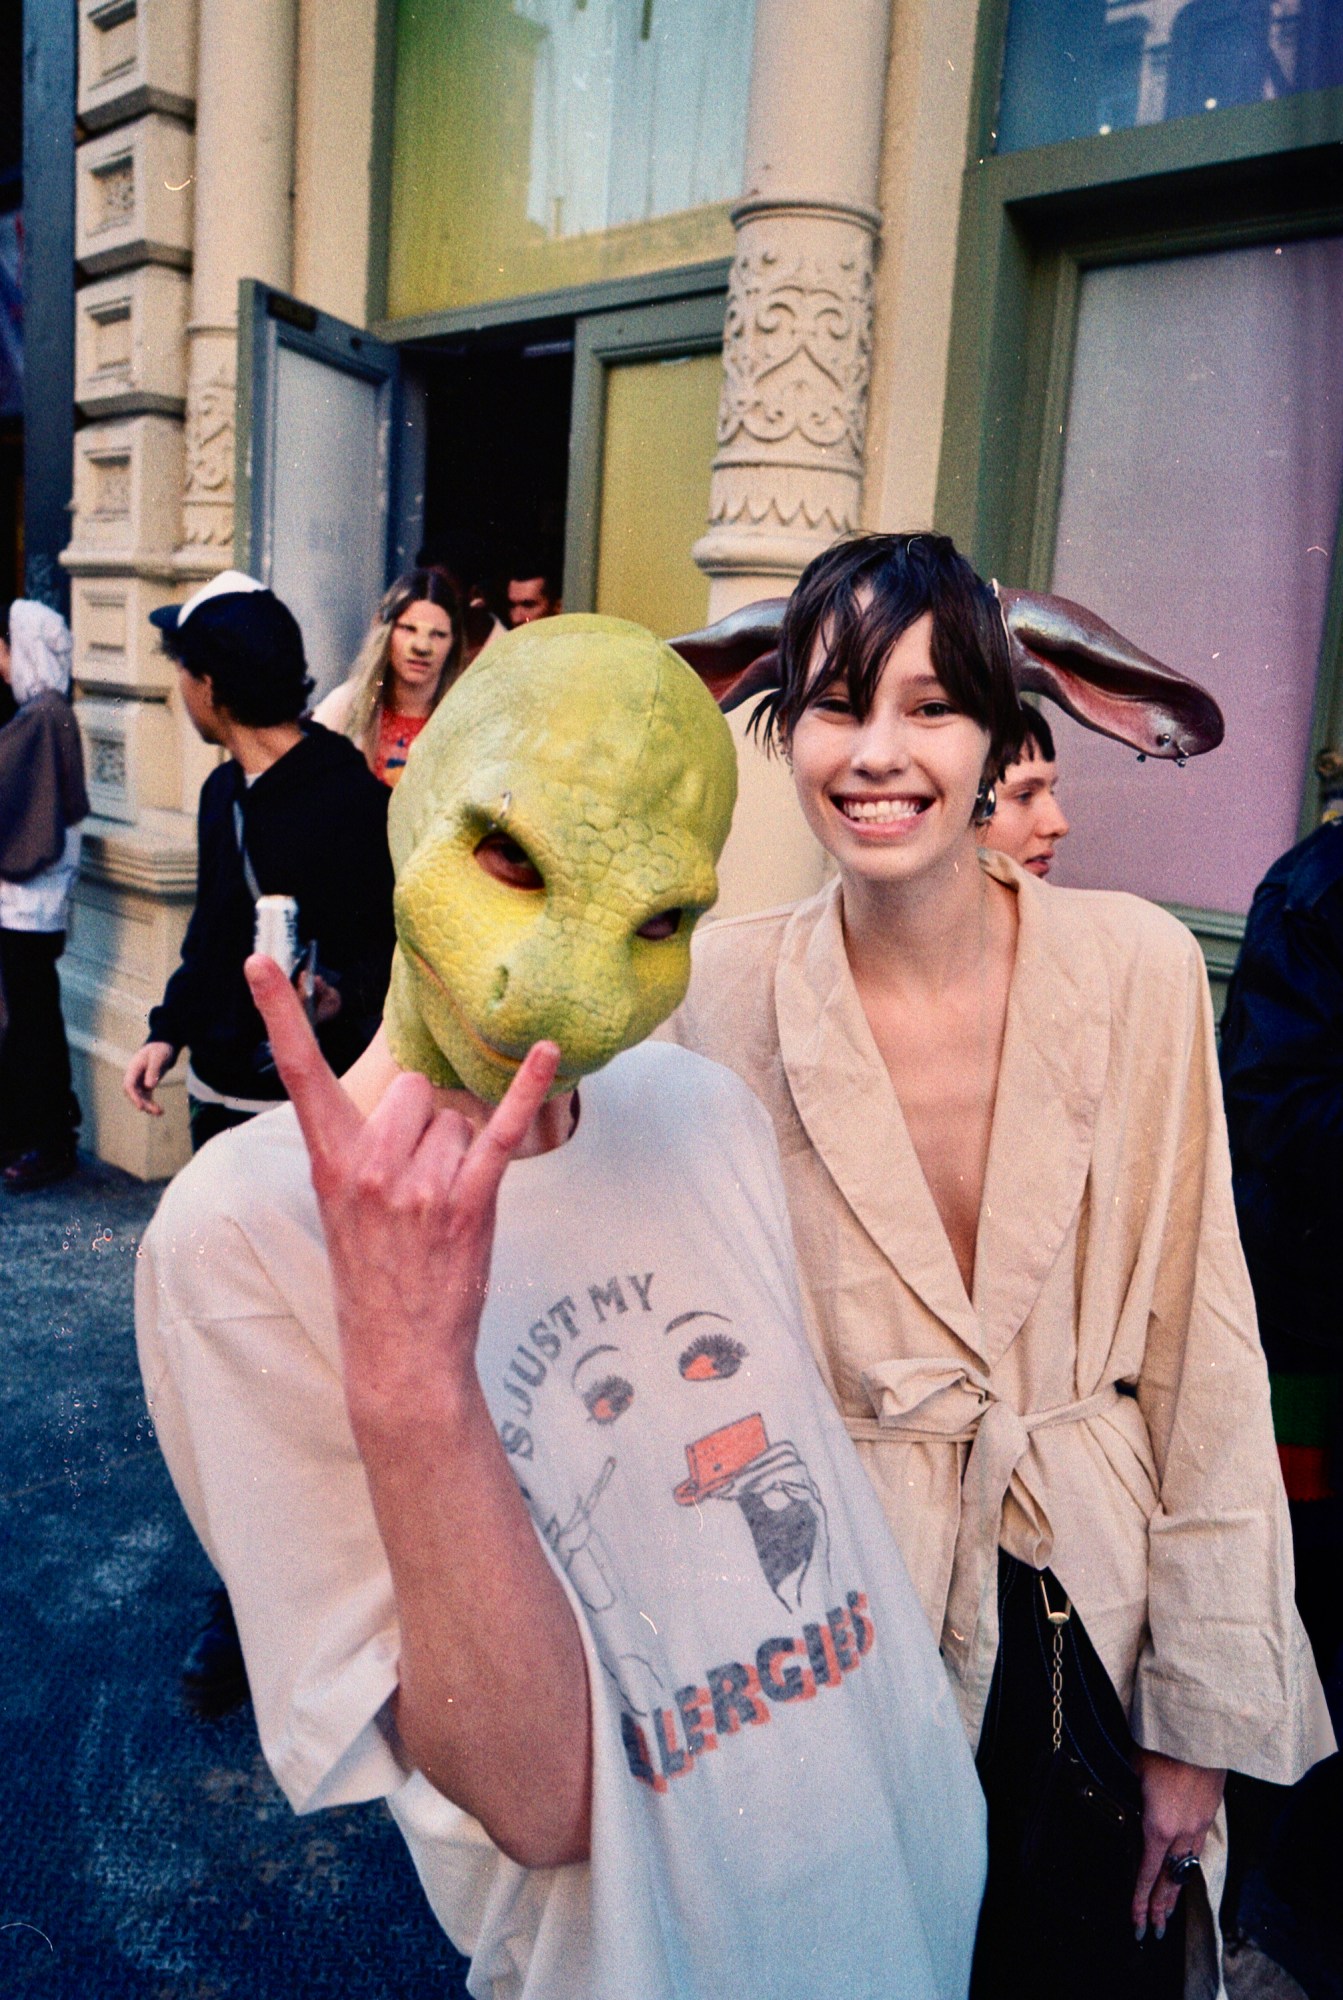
(510, 1122)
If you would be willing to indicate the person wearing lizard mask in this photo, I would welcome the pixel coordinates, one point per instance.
(483, 1379)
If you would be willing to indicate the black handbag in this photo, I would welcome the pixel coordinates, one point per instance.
(1065, 1817)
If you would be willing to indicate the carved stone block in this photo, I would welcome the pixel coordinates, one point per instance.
(136, 56)
(133, 198)
(130, 755)
(130, 347)
(128, 488)
(116, 648)
(797, 357)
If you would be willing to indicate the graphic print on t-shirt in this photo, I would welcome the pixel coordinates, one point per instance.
(776, 1494)
(682, 1411)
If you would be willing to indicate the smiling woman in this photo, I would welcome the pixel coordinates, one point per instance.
(1001, 1129)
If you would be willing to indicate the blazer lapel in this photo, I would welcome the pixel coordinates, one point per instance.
(845, 1098)
(1055, 1057)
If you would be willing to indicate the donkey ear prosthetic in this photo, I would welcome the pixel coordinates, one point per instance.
(736, 658)
(1058, 649)
(1102, 680)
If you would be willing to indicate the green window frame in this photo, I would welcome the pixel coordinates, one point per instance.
(1031, 223)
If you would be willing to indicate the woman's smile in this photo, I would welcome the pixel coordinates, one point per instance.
(881, 815)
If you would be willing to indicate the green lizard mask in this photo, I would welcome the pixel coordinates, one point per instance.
(555, 837)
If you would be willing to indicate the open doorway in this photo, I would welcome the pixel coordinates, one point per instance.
(581, 442)
(497, 411)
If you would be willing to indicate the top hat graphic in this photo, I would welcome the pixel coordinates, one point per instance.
(716, 1460)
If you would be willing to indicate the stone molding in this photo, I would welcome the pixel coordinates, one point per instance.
(157, 856)
(797, 360)
(135, 56)
(128, 482)
(792, 206)
(129, 759)
(133, 196)
(130, 344)
(117, 650)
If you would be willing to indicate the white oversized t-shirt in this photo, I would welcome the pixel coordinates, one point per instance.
(784, 1804)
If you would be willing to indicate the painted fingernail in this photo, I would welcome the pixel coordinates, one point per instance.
(1140, 1930)
(1160, 1932)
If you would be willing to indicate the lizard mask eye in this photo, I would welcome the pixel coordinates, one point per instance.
(508, 862)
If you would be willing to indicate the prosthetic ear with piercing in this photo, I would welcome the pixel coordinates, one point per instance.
(1058, 649)
(1103, 680)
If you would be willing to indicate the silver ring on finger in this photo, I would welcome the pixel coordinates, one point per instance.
(1179, 1867)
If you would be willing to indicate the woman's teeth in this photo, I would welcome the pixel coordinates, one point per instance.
(881, 809)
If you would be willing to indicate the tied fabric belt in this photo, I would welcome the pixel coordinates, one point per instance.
(941, 1402)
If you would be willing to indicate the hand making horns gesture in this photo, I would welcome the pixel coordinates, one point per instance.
(407, 1196)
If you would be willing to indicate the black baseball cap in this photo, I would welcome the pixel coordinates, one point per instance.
(236, 613)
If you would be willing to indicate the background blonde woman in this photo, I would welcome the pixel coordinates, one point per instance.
(411, 657)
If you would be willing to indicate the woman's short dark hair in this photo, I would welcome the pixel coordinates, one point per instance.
(858, 598)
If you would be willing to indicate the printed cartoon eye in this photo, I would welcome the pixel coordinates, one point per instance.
(711, 1358)
(608, 1399)
(510, 864)
(664, 926)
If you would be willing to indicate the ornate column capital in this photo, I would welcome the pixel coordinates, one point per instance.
(797, 357)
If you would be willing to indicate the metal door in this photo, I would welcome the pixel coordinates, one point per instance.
(324, 456)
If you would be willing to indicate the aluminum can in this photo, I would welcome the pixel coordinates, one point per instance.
(277, 931)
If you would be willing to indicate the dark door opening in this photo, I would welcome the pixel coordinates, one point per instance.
(496, 454)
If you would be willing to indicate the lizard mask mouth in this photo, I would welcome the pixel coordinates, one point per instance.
(487, 1050)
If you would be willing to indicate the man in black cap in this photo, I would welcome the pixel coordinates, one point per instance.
(295, 811)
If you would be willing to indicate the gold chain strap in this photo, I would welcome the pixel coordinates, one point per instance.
(1058, 1619)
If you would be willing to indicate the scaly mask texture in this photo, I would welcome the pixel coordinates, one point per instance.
(593, 748)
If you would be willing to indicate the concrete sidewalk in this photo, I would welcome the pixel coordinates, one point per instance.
(146, 1856)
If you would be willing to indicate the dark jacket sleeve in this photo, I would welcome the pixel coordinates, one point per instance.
(41, 786)
(1282, 1071)
(348, 911)
(183, 1008)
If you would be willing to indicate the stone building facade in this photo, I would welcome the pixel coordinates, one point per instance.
(929, 282)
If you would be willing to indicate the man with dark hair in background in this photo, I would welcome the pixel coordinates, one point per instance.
(534, 588)
(295, 811)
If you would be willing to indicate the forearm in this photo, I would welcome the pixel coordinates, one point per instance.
(493, 1700)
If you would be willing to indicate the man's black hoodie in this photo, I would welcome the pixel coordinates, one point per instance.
(315, 827)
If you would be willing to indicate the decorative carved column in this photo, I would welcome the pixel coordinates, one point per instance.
(797, 355)
(797, 349)
(244, 229)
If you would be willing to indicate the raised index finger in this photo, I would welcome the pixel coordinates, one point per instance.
(326, 1116)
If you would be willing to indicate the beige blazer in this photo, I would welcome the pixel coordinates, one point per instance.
(1101, 1404)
